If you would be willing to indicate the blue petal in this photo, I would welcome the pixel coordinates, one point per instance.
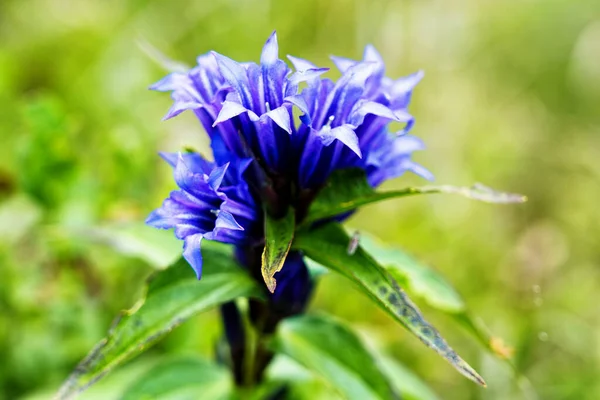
(306, 75)
(344, 133)
(192, 253)
(158, 219)
(216, 176)
(270, 52)
(170, 82)
(226, 220)
(299, 101)
(235, 74)
(232, 109)
(347, 91)
(371, 54)
(180, 106)
(301, 64)
(364, 108)
(406, 84)
(194, 161)
(170, 158)
(220, 151)
(281, 116)
(343, 64)
(183, 230)
(186, 179)
(420, 170)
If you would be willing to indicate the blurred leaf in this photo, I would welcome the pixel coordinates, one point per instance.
(174, 295)
(409, 385)
(279, 234)
(328, 246)
(348, 189)
(415, 277)
(314, 268)
(333, 352)
(160, 58)
(156, 247)
(185, 378)
(299, 381)
(18, 215)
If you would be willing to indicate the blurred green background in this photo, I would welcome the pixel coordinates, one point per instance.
(510, 99)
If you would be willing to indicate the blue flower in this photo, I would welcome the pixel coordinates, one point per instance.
(345, 123)
(264, 157)
(213, 203)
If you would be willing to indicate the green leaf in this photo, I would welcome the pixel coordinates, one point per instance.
(348, 189)
(156, 247)
(328, 245)
(409, 385)
(173, 296)
(415, 277)
(430, 286)
(184, 378)
(334, 353)
(279, 234)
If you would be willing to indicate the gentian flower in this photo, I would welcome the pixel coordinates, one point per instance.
(266, 160)
(213, 203)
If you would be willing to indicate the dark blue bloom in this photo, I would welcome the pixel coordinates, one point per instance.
(294, 285)
(356, 111)
(213, 203)
(264, 158)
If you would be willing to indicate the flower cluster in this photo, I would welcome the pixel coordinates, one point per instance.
(265, 158)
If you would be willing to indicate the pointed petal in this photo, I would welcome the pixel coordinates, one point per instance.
(192, 253)
(306, 75)
(232, 109)
(407, 144)
(194, 161)
(270, 52)
(235, 74)
(170, 158)
(157, 219)
(371, 54)
(403, 116)
(348, 90)
(216, 176)
(364, 108)
(343, 64)
(181, 172)
(345, 134)
(281, 117)
(420, 170)
(301, 64)
(226, 220)
(170, 82)
(187, 179)
(299, 101)
(180, 106)
(407, 83)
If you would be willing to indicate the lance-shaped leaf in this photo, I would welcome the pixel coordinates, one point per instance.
(328, 245)
(348, 189)
(333, 352)
(425, 283)
(415, 277)
(183, 378)
(279, 234)
(173, 296)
